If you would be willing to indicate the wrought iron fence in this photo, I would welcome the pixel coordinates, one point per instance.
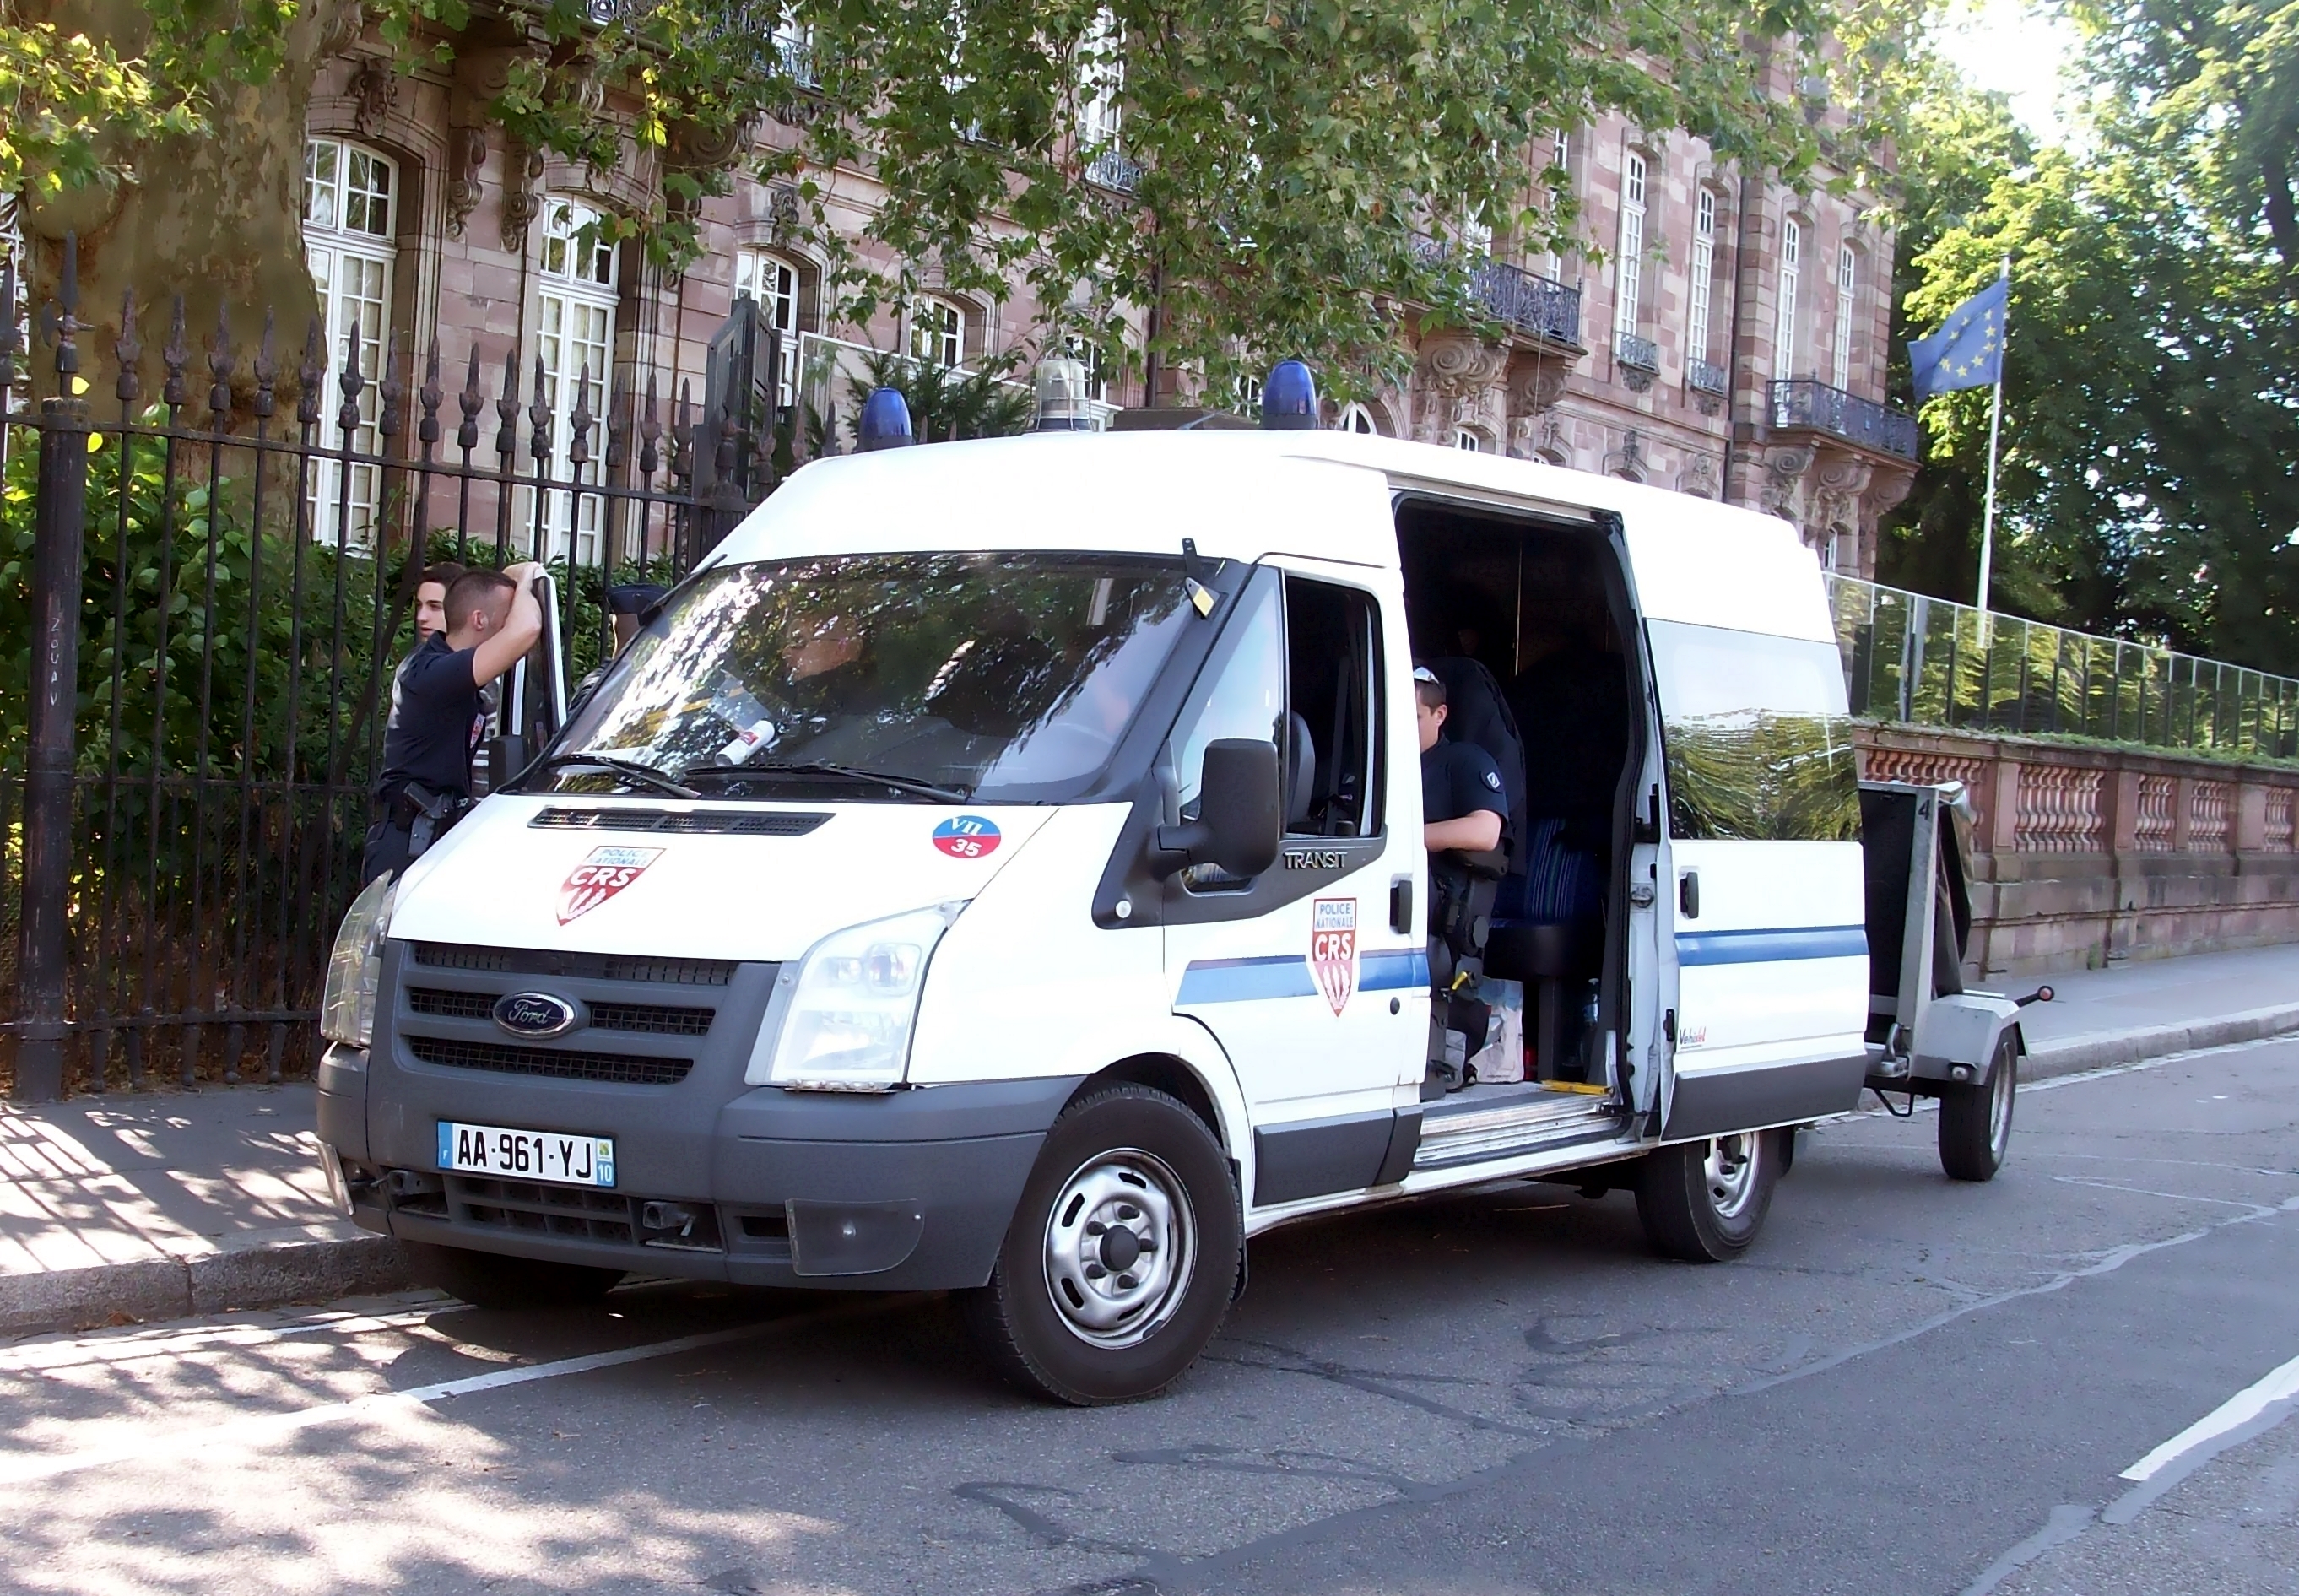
(1932, 662)
(198, 628)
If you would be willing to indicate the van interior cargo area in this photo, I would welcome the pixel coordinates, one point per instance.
(1522, 621)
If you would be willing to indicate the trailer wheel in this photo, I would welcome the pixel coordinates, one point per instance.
(1120, 1261)
(1704, 1201)
(1975, 1121)
(494, 1280)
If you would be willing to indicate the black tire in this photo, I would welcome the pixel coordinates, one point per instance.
(1122, 1158)
(1975, 1121)
(1704, 1202)
(493, 1280)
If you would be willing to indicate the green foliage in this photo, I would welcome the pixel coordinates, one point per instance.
(182, 599)
(945, 406)
(70, 100)
(1290, 155)
(2151, 386)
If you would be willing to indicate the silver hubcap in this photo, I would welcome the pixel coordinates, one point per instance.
(1729, 1169)
(2001, 1087)
(1121, 1245)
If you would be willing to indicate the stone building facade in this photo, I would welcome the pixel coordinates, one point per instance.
(1719, 335)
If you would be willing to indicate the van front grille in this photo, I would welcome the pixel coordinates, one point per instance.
(650, 1019)
(591, 967)
(620, 1068)
(451, 1005)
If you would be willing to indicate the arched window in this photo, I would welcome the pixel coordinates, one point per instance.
(575, 303)
(937, 333)
(1463, 438)
(1357, 417)
(351, 211)
(774, 283)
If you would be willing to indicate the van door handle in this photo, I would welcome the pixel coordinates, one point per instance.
(1401, 905)
(1688, 894)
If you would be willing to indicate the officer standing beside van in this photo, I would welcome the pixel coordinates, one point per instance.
(437, 708)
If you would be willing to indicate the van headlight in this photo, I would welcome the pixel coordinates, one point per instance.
(355, 968)
(842, 1016)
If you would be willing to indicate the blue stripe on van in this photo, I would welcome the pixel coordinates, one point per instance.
(1244, 980)
(1771, 947)
(1391, 969)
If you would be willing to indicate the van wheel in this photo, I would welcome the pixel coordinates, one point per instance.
(1975, 1121)
(1119, 1263)
(493, 1280)
(1704, 1201)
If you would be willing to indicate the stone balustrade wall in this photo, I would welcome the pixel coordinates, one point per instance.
(2082, 854)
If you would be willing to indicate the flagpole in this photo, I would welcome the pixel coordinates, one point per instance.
(1994, 432)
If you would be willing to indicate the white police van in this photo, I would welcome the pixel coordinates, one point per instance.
(999, 869)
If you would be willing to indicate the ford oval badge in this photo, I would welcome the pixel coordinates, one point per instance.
(535, 1015)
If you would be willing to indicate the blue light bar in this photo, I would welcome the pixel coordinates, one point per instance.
(1289, 399)
(887, 421)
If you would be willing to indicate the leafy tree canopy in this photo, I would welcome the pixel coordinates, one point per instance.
(1290, 160)
(2151, 392)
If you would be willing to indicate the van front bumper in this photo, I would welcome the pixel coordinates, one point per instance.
(902, 1191)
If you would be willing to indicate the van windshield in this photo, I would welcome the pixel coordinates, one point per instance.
(1001, 676)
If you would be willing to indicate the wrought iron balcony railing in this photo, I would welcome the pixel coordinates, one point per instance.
(1641, 355)
(1802, 403)
(1704, 377)
(1524, 300)
(1109, 169)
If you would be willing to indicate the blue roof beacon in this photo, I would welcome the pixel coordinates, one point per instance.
(887, 421)
(1289, 398)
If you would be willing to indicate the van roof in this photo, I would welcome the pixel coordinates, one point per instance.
(1247, 495)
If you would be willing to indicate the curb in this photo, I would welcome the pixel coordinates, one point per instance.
(2103, 1050)
(264, 1270)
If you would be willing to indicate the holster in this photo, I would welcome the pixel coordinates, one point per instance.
(426, 816)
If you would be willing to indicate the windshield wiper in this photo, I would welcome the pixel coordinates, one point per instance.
(630, 771)
(902, 784)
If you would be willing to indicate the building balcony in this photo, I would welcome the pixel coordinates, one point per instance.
(1638, 360)
(1108, 168)
(1527, 302)
(1803, 406)
(1704, 377)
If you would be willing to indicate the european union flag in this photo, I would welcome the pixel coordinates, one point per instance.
(1968, 349)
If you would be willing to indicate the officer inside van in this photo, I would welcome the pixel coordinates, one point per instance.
(1464, 823)
(1463, 807)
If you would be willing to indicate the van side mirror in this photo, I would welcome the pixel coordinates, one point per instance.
(1240, 813)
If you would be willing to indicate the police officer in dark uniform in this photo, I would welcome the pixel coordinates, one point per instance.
(437, 708)
(1464, 821)
(1462, 804)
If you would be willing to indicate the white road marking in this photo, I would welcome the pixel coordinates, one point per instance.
(269, 1426)
(2239, 1410)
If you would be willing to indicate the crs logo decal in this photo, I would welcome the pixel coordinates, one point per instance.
(599, 878)
(1493, 780)
(1334, 948)
(967, 836)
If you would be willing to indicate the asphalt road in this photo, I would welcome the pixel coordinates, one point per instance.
(1907, 1387)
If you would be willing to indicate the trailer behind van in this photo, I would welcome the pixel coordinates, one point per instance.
(999, 869)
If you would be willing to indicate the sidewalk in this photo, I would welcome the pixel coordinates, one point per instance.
(166, 1204)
